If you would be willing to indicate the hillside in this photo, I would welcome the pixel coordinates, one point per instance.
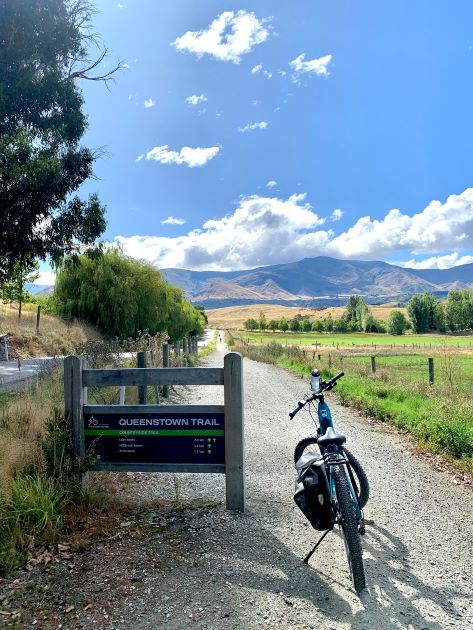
(316, 281)
(235, 316)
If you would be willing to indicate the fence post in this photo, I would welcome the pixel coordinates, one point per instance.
(184, 345)
(166, 364)
(329, 360)
(73, 404)
(142, 389)
(38, 315)
(373, 365)
(234, 436)
(431, 370)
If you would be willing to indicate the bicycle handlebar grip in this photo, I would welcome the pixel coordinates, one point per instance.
(335, 378)
(300, 404)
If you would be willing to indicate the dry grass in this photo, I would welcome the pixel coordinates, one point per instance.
(23, 420)
(55, 336)
(234, 316)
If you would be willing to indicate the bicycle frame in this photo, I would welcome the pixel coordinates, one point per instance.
(333, 456)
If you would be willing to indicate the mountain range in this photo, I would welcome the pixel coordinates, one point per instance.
(316, 281)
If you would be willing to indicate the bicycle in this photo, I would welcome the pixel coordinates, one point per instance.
(326, 489)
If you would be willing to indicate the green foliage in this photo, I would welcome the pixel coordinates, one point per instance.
(262, 321)
(14, 289)
(306, 325)
(123, 296)
(294, 325)
(397, 323)
(283, 325)
(318, 326)
(459, 310)
(426, 313)
(251, 324)
(45, 48)
(273, 325)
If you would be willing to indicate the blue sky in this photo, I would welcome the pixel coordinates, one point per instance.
(262, 132)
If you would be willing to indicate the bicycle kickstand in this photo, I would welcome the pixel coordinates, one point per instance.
(309, 555)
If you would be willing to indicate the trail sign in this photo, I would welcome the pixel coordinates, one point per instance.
(160, 438)
(170, 438)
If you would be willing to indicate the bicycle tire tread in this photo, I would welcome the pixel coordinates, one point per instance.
(350, 528)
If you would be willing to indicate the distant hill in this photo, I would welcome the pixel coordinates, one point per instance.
(39, 289)
(315, 281)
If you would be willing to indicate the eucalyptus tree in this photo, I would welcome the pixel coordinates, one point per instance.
(45, 48)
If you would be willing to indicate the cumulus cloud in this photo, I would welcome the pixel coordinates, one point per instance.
(260, 70)
(272, 183)
(439, 262)
(191, 157)
(319, 67)
(196, 99)
(173, 221)
(337, 214)
(149, 103)
(252, 126)
(46, 278)
(269, 230)
(230, 36)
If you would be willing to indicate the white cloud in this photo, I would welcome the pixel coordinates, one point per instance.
(337, 214)
(173, 221)
(259, 69)
(315, 66)
(439, 262)
(149, 103)
(196, 99)
(268, 230)
(46, 278)
(271, 184)
(121, 6)
(228, 37)
(260, 231)
(187, 155)
(252, 126)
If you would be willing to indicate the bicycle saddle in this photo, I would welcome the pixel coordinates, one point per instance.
(330, 437)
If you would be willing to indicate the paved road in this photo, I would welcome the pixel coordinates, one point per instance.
(14, 376)
(14, 379)
(245, 571)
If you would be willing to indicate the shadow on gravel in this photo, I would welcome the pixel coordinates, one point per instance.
(394, 590)
(392, 600)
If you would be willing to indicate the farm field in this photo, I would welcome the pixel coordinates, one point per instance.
(398, 391)
(371, 341)
(234, 316)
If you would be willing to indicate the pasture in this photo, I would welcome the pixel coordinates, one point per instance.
(360, 341)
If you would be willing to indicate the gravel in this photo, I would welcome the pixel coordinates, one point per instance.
(246, 571)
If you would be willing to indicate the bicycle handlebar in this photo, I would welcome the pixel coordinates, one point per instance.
(326, 386)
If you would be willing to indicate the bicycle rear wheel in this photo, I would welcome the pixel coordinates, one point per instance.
(309, 446)
(349, 528)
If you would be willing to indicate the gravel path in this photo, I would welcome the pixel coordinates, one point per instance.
(246, 571)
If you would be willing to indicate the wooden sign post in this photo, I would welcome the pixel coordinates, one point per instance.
(161, 438)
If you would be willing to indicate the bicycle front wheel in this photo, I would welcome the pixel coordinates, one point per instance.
(349, 527)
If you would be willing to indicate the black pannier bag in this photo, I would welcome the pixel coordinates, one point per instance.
(312, 492)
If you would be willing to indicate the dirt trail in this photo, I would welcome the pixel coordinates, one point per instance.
(208, 568)
(245, 571)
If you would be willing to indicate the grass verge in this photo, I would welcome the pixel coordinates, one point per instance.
(438, 416)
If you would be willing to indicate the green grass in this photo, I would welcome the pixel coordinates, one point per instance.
(347, 340)
(438, 416)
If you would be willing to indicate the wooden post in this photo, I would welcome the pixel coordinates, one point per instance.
(234, 436)
(38, 315)
(73, 404)
(166, 364)
(122, 395)
(431, 370)
(319, 357)
(329, 360)
(373, 365)
(184, 345)
(142, 389)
